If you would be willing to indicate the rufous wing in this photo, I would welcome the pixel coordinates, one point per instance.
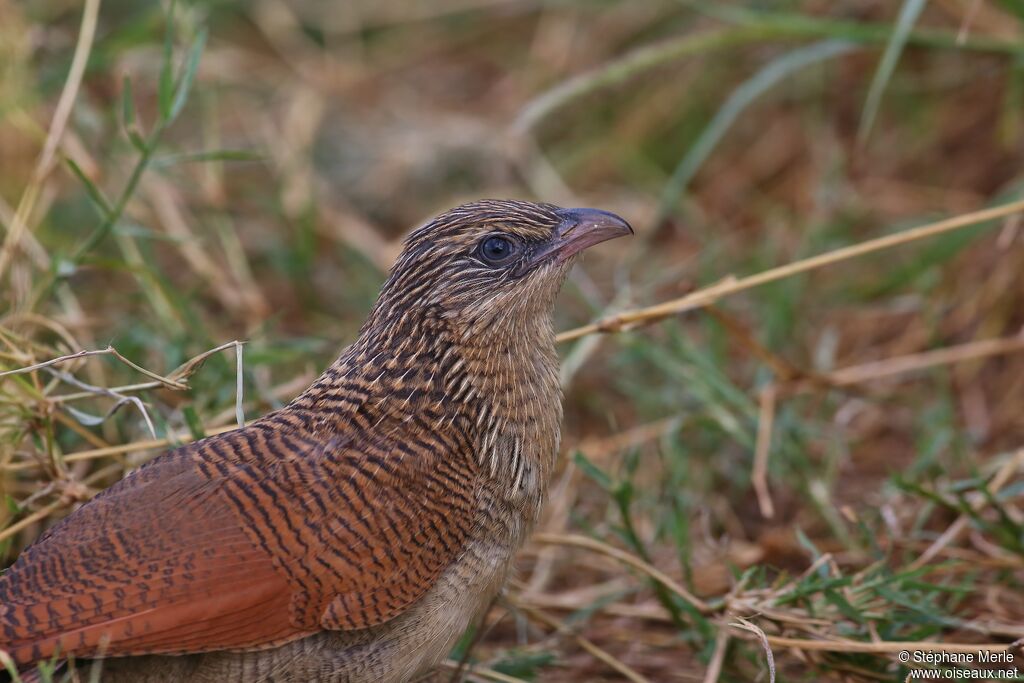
(242, 541)
(155, 564)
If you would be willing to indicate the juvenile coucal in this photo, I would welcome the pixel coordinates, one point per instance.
(354, 534)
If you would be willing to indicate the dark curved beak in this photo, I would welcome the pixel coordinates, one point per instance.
(580, 229)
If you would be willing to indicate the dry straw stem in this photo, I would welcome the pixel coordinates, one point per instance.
(178, 380)
(124, 449)
(825, 644)
(879, 647)
(78, 396)
(48, 510)
(481, 672)
(998, 481)
(714, 669)
(38, 515)
(759, 472)
(857, 374)
(283, 391)
(53, 138)
(598, 448)
(109, 351)
(745, 625)
(709, 295)
(960, 353)
(587, 645)
(121, 399)
(594, 545)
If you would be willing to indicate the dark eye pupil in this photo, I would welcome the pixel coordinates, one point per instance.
(496, 248)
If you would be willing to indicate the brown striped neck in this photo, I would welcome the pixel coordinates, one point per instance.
(430, 354)
(501, 379)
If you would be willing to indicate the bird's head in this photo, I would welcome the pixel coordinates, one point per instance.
(493, 262)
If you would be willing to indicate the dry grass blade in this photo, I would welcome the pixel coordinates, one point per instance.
(762, 449)
(133, 447)
(600, 448)
(239, 384)
(77, 396)
(878, 647)
(626, 558)
(866, 372)
(587, 645)
(482, 672)
(998, 481)
(746, 625)
(714, 669)
(708, 295)
(56, 361)
(189, 367)
(178, 376)
(965, 24)
(83, 47)
(104, 391)
(38, 515)
(960, 353)
(109, 351)
(72, 491)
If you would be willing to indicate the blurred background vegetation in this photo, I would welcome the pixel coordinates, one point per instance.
(828, 461)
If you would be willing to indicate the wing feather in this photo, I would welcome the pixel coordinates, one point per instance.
(150, 558)
(242, 541)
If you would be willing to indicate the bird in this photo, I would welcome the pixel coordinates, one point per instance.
(354, 534)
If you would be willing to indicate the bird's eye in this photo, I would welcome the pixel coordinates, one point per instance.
(496, 249)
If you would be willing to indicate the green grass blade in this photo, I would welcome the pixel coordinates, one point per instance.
(95, 194)
(593, 471)
(909, 13)
(165, 88)
(772, 74)
(127, 103)
(128, 115)
(1014, 7)
(184, 84)
(209, 155)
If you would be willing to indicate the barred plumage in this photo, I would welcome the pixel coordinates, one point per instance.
(352, 535)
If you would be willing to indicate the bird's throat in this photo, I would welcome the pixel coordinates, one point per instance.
(497, 378)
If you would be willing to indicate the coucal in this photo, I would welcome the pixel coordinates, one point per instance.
(354, 534)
